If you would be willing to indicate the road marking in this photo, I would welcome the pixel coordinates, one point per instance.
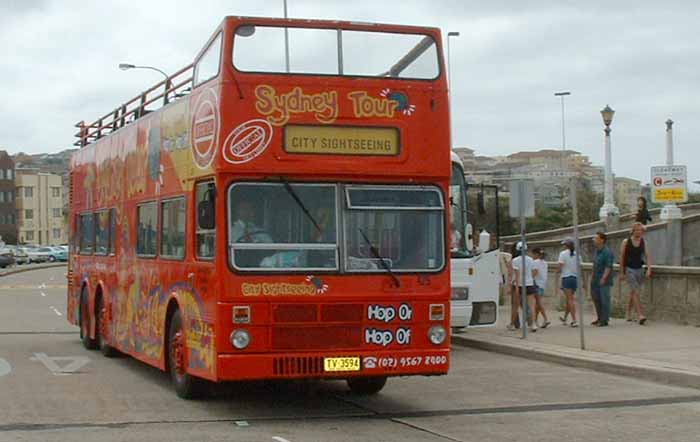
(75, 364)
(55, 310)
(42, 286)
(5, 367)
(279, 439)
(43, 294)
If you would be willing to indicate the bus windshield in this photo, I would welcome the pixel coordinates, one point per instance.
(458, 214)
(335, 52)
(283, 227)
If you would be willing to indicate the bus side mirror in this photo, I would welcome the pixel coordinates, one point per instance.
(205, 214)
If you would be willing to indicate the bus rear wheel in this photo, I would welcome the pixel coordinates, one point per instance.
(366, 386)
(102, 330)
(88, 342)
(186, 385)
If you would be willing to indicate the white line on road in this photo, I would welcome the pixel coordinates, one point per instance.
(43, 294)
(55, 310)
(279, 439)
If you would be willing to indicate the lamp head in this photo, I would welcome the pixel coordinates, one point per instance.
(607, 114)
(126, 66)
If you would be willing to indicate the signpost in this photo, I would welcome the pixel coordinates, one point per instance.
(522, 205)
(669, 184)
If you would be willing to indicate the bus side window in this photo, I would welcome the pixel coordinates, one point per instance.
(206, 220)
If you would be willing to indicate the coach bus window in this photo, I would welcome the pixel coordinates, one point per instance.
(101, 232)
(147, 219)
(208, 65)
(112, 230)
(458, 214)
(87, 233)
(172, 239)
(283, 226)
(261, 49)
(403, 226)
(206, 215)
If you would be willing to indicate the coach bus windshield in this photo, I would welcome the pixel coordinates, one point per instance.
(335, 52)
(295, 227)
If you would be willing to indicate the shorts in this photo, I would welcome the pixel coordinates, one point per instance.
(540, 291)
(635, 278)
(569, 283)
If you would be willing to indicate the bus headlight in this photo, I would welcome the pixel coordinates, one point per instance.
(460, 294)
(437, 334)
(240, 339)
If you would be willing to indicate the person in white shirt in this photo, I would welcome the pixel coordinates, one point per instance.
(540, 267)
(568, 266)
(530, 289)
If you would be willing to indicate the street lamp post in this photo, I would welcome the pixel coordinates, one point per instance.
(127, 66)
(670, 210)
(449, 83)
(609, 211)
(563, 127)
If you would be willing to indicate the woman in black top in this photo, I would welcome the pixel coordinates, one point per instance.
(642, 212)
(634, 255)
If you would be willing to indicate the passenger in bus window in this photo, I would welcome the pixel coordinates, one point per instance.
(244, 228)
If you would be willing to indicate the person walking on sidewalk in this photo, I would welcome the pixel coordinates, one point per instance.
(514, 294)
(540, 266)
(602, 280)
(642, 215)
(634, 254)
(524, 263)
(568, 267)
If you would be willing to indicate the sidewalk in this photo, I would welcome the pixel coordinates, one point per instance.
(661, 352)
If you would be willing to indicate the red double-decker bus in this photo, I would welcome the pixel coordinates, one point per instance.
(277, 209)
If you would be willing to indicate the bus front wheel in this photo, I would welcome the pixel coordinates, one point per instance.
(366, 386)
(88, 342)
(186, 385)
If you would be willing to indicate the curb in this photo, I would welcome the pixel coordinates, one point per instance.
(655, 371)
(29, 269)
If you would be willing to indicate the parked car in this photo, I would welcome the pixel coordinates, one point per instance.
(20, 255)
(54, 253)
(6, 258)
(36, 255)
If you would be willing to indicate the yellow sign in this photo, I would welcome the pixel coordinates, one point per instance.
(341, 140)
(669, 195)
(278, 289)
(341, 364)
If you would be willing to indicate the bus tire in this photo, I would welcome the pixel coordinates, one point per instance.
(88, 342)
(186, 385)
(101, 330)
(366, 386)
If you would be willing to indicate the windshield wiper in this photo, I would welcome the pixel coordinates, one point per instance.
(376, 255)
(290, 190)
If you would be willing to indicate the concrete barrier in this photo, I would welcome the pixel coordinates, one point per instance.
(29, 268)
(672, 294)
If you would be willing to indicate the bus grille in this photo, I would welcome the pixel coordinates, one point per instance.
(307, 365)
(316, 338)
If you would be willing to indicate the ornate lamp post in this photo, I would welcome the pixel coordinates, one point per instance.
(609, 211)
(670, 210)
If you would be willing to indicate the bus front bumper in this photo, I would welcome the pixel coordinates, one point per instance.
(314, 365)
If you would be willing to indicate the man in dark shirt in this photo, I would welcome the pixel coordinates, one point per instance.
(602, 279)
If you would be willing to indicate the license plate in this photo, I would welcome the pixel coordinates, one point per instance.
(341, 364)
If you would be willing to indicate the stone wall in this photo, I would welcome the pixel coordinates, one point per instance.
(672, 294)
(660, 238)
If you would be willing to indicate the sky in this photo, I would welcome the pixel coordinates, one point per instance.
(60, 65)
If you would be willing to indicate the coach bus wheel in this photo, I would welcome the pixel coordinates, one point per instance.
(88, 342)
(366, 386)
(186, 385)
(102, 330)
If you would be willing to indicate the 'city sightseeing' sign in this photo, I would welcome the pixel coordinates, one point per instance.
(341, 140)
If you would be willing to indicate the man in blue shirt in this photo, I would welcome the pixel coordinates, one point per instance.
(602, 279)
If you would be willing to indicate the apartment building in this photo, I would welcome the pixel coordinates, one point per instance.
(8, 214)
(39, 199)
